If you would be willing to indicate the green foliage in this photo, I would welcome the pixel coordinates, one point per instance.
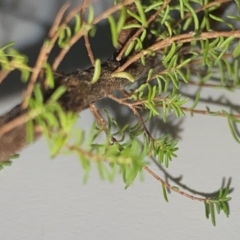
(112, 156)
(190, 48)
(8, 162)
(11, 59)
(55, 124)
(164, 149)
(220, 203)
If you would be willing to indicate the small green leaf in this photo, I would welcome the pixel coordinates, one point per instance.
(194, 15)
(141, 13)
(212, 213)
(38, 94)
(49, 75)
(134, 15)
(170, 54)
(196, 100)
(225, 192)
(131, 26)
(114, 32)
(129, 48)
(97, 71)
(207, 209)
(218, 207)
(24, 75)
(29, 131)
(166, 15)
(220, 193)
(90, 14)
(125, 75)
(77, 25)
(130, 178)
(57, 94)
(175, 188)
(225, 208)
(153, 6)
(183, 63)
(236, 72)
(164, 192)
(122, 19)
(4, 47)
(227, 42)
(232, 130)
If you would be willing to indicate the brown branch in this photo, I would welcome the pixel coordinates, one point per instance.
(135, 112)
(206, 112)
(89, 50)
(14, 139)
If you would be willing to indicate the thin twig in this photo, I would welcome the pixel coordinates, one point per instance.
(167, 185)
(58, 19)
(86, 38)
(89, 50)
(98, 116)
(88, 154)
(101, 121)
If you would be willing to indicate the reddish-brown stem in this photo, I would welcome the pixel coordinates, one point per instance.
(98, 116)
(167, 185)
(206, 112)
(89, 50)
(139, 103)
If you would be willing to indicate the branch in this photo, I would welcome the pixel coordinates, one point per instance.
(80, 93)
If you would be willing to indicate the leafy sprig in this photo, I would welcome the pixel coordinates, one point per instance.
(220, 203)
